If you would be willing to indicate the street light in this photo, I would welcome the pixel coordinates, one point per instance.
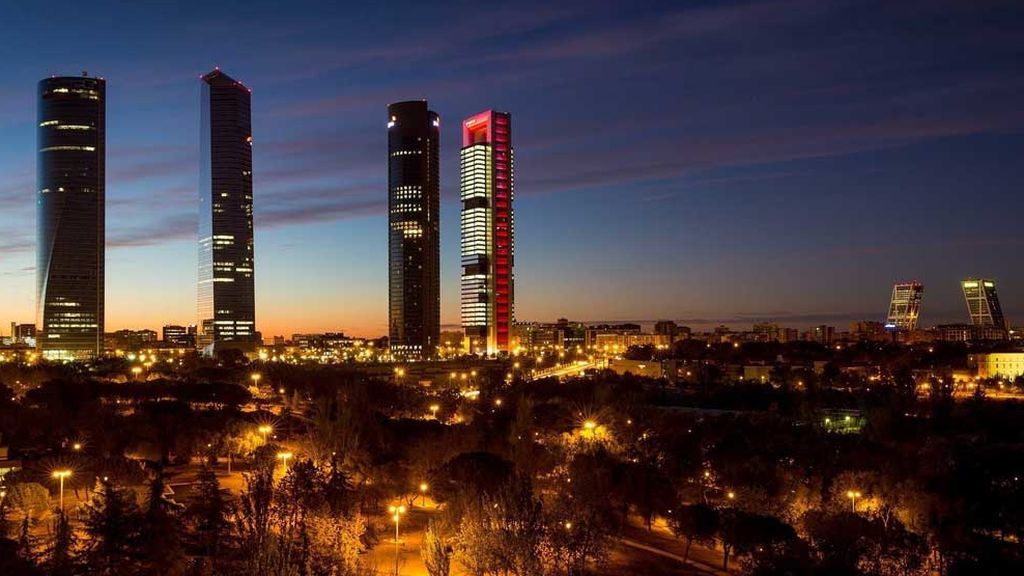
(284, 456)
(433, 410)
(61, 475)
(423, 493)
(255, 377)
(396, 515)
(853, 495)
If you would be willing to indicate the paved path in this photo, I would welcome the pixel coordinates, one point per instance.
(701, 567)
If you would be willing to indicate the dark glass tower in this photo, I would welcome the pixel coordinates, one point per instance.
(414, 275)
(226, 295)
(70, 217)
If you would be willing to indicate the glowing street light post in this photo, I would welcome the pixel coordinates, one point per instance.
(255, 377)
(853, 495)
(284, 456)
(61, 475)
(396, 515)
(424, 487)
(433, 410)
(265, 430)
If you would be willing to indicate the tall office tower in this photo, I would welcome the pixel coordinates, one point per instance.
(487, 231)
(905, 306)
(70, 217)
(414, 248)
(983, 302)
(226, 295)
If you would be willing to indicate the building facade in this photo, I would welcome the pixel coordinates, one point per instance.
(70, 206)
(998, 364)
(414, 246)
(226, 293)
(983, 302)
(488, 231)
(904, 306)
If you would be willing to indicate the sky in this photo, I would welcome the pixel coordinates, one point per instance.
(707, 162)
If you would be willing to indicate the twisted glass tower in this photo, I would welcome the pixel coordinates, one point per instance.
(414, 288)
(226, 292)
(70, 217)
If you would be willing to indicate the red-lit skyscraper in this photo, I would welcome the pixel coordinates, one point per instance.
(486, 185)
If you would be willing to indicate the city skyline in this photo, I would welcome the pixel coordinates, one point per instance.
(693, 213)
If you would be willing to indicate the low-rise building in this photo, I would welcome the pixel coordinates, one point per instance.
(998, 364)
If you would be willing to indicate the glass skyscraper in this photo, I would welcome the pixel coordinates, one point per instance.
(226, 294)
(70, 217)
(487, 190)
(983, 302)
(904, 306)
(414, 276)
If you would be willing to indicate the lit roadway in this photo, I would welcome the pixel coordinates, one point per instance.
(570, 369)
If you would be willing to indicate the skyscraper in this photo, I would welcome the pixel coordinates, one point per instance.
(905, 306)
(226, 295)
(414, 248)
(486, 185)
(983, 302)
(70, 216)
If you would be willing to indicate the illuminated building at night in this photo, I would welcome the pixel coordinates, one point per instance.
(70, 202)
(226, 294)
(487, 190)
(904, 306)
(983, 302)
(414, 247)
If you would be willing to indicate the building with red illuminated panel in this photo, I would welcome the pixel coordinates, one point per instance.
(486, 185)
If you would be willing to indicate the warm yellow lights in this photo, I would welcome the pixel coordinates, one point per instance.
(284, 457)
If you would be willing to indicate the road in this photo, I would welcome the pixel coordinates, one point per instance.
(639, 551)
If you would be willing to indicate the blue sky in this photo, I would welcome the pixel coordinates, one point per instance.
(702, 161)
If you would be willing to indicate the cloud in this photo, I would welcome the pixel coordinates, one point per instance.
(166, 229)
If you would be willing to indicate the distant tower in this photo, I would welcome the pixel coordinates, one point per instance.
(70, 202)
(983, 302)
(226, 293)
(487, 231)
(905, 306)
(414, 246)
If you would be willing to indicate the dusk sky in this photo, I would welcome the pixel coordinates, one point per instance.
(705, 162)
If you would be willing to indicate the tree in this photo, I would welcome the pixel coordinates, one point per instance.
(111, 525)
(253, 518)
(437, 556)
(60, 558)
(746, 534)
(695, 522)
(160, 546)
(29, 500)
(208, 512)
(503, 534)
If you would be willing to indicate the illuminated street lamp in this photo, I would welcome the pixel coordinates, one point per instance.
(853, 495)
(284, 456)
(265, 430)
(424, 487)
(433, 410)
(61, 475)
(396, 515)
(136, 370)
(77, 446)
(255, 377)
